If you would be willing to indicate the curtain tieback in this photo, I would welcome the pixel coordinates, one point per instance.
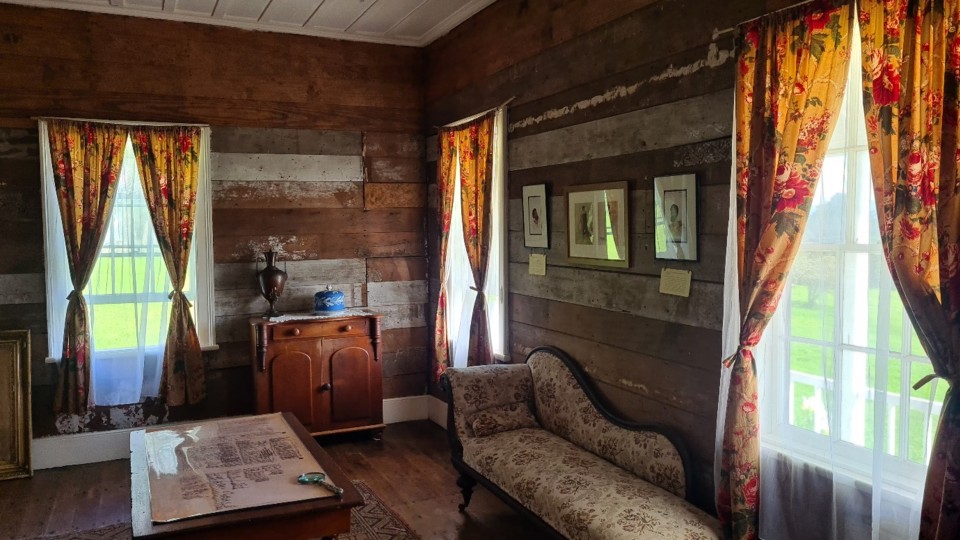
(478, 291)
(923, 382)
(73, 294)
(741, 350)
(178, 291)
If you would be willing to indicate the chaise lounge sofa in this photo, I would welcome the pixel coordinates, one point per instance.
(536, 435)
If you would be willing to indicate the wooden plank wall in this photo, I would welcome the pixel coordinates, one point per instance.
(609, 91)
(318, 153)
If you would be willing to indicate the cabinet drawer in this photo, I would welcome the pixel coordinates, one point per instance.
(320, 329)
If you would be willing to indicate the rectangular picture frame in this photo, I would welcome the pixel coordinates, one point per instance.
(676, 227)
(15, 421)
(598, 224)
(536, 227)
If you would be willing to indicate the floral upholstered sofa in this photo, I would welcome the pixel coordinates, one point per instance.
(536, 435)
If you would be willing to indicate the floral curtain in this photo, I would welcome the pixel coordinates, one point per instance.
(475, 150)
(446, 176)
(168, 159)
(469, 148)
(86, 159)
(911, 77)
(792, 69)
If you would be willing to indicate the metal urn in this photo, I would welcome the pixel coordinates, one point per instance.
(271, 280)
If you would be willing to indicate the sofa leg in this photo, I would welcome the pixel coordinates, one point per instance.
(466, 484)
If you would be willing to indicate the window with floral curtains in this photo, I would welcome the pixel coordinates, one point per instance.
(792, 69)
(465, 167)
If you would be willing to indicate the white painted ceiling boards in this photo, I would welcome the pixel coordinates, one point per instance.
(398, 22)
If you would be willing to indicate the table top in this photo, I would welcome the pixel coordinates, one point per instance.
(144, 527)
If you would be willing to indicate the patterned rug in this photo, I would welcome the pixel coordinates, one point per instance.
(372, 521)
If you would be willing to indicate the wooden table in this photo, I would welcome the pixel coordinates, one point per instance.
(315, 518)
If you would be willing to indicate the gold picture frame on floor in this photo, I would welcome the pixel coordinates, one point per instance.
(15, 432)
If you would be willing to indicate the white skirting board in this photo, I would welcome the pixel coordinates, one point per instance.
(66, 450)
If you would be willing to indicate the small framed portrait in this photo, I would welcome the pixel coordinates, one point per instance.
(675, 217)
(597, 225)
(536, 231)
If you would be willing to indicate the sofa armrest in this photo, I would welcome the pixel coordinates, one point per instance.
(474, 389)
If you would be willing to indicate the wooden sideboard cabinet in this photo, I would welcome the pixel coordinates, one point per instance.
(327, 372)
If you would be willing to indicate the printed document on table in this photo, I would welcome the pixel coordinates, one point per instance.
(222, 465)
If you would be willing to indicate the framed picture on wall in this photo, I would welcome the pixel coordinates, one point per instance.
(536, 230)
(675, 217)
(598, 221)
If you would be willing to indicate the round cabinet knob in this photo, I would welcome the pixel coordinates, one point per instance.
(347, 328)
(295, 332)
(325, 387)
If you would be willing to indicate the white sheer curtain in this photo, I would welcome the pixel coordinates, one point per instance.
(844, 439)
(126, 295)
(461, 288)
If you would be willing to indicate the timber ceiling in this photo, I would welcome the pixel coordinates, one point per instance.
(397, 22)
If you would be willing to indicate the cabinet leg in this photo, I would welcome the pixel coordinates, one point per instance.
(377, 435)
(466, 484)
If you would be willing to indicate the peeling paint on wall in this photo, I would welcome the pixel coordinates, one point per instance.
(254, 248)
(715, 58)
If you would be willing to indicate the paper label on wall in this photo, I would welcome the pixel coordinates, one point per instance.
(675, 282)
(538, 264)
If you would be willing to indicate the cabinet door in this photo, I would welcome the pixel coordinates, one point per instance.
(352, 370)
(291, 385)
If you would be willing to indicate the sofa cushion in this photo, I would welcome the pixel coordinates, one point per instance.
(503, 418)
(580, 494)
(482, 387)
(564, 409)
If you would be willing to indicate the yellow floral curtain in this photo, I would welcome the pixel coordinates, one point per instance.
(469, 148)
(168, 159)
(792, 69)
(86, 159)
(911, 76)
(475, 150)
(446, 176)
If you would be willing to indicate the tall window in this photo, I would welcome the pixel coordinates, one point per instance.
(841, 355)
(127, 295)
(461, 288)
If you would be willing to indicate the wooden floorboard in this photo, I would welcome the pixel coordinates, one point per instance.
(409, 470)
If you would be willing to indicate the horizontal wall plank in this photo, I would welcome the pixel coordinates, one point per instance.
(293, 300)
(286, 167)
(680, 343)
(634, 294)
(227, 249)
(710, 268)
(406, 145)
(404, 385)
(690, 389)
(299, 273)
(394, 195)
(22, 289)
(272, 194)
(386, 293)
(709, 160)
(245, 140)
(394, 169)
(396, 269)
(242, 222)
(703, 118)
(398, 340)
(697, 71)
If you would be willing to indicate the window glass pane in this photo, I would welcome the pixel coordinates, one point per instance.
(865, 276)
(892, 404)
(856, 398)
(811, 375)
(825, 221)
(866, 228)
(924, 415)
(813, 295)
(897, 320)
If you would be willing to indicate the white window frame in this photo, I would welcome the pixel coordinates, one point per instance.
(901, 475)
(202, 247)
